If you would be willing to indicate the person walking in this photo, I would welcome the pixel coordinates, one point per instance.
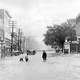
(44, 55)
(26, 57)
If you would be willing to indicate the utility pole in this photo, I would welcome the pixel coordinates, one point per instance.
(12, 24)
(19, 39)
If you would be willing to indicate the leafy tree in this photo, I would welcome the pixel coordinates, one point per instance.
(56, 35)
(78, 19)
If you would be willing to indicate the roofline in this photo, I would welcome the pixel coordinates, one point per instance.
(5, 11)
(8, 14)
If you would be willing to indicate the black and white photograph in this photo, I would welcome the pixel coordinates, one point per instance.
(39, 39)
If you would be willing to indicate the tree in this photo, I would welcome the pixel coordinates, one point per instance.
(56, 35)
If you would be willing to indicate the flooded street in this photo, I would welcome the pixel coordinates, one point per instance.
(58, 68)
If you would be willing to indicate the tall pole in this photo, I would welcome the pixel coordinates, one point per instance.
(19, 39)
(12, 34)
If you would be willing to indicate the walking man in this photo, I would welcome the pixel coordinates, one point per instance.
(44, 55)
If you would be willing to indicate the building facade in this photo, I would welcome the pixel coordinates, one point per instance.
(4, 28)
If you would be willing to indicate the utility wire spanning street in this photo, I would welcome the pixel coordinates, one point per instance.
(64, 67)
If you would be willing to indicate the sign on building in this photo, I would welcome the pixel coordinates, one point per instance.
(76, 42)
(66, 47)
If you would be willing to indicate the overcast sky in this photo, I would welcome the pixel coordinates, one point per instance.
(34, 15)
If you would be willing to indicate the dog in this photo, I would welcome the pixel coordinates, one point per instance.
(21, 59)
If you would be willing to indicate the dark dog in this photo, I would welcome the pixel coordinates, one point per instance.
(21, 59)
